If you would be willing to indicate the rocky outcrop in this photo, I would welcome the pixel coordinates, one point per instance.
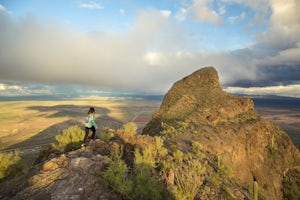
(199, 98)
(75, 175)
(197, 109)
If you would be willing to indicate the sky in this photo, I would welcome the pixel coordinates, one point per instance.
(97, 47)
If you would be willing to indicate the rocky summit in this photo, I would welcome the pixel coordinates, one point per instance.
(199, 98)
(227, 126)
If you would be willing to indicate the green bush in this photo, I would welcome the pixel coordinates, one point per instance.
(106, 134)
(117, 173)
(146, 185)
(159, 145)
(178, 156)
(130, 128)
(197, 148)
(188, 178)
(167, 129)
(144, 158)
(70, 139)
(8, 163)
(223, 169)
(138, 183)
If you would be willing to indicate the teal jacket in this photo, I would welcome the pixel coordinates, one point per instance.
(91, 121)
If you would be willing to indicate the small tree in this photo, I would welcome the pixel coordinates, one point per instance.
(130, 128)
(70, 139)
(8, 163)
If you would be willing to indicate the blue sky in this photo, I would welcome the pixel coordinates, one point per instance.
(49, 47)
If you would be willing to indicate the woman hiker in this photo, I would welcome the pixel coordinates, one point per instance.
(90, 124)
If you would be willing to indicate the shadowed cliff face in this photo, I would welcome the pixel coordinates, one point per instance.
(196, 109)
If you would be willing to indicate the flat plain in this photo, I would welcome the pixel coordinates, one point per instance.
(30, 124)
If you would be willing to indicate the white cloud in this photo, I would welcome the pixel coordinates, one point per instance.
(166, 13)
(55, 54)
(91, 5)
(11, 89)
(181, 14)
(201, 11)
(234, 19)
(2, 8)
(222, 10)
(242, 16)
(289, 90)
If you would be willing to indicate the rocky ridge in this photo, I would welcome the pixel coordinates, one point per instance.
(228, 126)
(197, 123)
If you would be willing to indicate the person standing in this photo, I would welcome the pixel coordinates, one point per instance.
(90, 124)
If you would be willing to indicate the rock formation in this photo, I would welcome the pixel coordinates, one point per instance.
(199, 98)
(75, 175)
(228, 126)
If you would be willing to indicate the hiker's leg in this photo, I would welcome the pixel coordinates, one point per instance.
(86, 134)
(94, 132)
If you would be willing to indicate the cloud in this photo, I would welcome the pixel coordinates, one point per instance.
(201, 11)
(181, 14)
(222, 10)
(4, 86)
(289, 90)
(2, 8)
(41, 52)
(149, 56)
(166, 13)
(91, 5)
(234, 19)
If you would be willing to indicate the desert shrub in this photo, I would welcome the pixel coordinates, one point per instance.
(159, 145)
(8, 163)
(130, 128)
(70, 139)
(106, 134)
(167, 129)
(291, 184)
(188, 178)
(146, 185)
(145, 157)
(117, 173)
(223, 169)
(139, 182)
(197, 149)
(178, 156)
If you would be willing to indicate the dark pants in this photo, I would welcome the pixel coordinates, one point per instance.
(87, 133)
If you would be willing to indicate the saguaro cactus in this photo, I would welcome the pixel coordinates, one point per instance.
(255, 189)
